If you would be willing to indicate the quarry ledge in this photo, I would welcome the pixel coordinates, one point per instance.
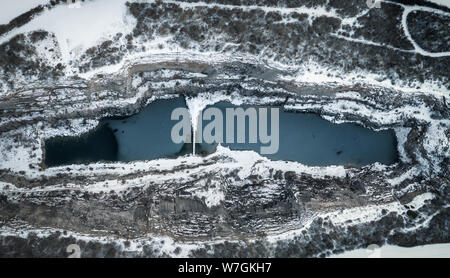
(198, 198)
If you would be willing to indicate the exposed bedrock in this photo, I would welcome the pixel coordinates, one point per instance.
(220, 196)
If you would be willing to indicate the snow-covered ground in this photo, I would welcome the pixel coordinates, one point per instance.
(392, 251)
(77, 28)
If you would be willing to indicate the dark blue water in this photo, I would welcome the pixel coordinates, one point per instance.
(146, 135)
(143, 136)
(306, 138)
(314, 141)
(97, 145)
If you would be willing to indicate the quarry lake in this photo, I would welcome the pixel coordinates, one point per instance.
(303, 137)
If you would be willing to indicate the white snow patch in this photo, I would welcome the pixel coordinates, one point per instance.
(391, 251)
(402, 136)
(212, 194)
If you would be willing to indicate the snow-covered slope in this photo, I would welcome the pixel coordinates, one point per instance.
(390, 251)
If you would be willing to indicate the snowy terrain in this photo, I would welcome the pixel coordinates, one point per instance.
(389, 251)
(107, 58)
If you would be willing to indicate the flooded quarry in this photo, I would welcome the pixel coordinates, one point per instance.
(224, 128)
(302, 137)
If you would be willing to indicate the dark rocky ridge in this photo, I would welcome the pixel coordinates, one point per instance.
(435, 31)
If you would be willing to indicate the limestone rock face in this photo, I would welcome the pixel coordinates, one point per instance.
(381, 67)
